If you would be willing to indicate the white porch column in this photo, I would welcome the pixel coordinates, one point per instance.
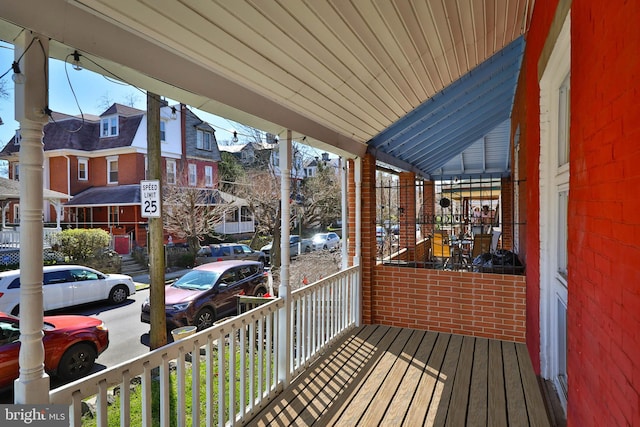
(284, 290)
(345, 214)
(357, 176)
(31, 98)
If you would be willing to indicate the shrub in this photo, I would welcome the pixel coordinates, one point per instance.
(80, 245)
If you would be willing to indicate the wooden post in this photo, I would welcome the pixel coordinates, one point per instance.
(158, 333)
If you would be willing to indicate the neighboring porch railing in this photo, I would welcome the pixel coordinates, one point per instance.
(237, 367)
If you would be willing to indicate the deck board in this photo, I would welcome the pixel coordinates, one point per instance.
(457, 413)
(402, 400)
(477, 408)
(430, 384)
(387, 376)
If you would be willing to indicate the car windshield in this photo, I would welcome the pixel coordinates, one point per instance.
(197, 280)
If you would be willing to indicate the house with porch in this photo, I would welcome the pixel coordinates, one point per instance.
(100, 161)
(408, 87)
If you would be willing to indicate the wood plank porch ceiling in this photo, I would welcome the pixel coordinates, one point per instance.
(338, 72)
(389, 376)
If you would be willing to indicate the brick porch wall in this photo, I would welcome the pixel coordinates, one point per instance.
(475, 304)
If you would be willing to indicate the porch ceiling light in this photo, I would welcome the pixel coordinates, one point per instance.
(77, 65)
(235, 136)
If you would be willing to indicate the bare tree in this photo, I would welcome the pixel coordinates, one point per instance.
(4, 89)
(105, 101)
(320, 202)
(191, 213)
(131, 99)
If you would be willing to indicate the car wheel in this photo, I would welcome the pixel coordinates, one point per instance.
(16, 310)
(307, 249)
(260, 292)
(76, 362)
(118, 294)
(325, 247)
(204, 319)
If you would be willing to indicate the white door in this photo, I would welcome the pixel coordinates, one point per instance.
(554, 198)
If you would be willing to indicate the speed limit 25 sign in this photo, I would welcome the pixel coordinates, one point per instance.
(150, 198)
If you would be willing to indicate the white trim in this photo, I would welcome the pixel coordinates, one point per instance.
(552, 181)
(83, 161)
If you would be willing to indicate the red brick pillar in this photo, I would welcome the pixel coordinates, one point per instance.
(351, 202)
(428, 208)
(368, 260)
(506, 213)
(407, 214)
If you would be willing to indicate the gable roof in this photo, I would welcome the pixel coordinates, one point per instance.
(82, 133)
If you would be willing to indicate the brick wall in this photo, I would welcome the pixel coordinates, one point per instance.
(475, 304)
(604, 215)
(368, 259)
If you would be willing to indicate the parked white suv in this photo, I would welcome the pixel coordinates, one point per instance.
(66, 286)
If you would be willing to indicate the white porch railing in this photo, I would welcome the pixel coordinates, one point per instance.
(11, 238)
(236, 373)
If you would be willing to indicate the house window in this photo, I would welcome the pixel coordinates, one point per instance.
(109, 126)
(163, 131)
(275, 158)
(17, 138)
(83, 169)
(16, 172)
(232, 215)
(112, 170)
(114, 215)
(16, 213)
(171, 172)
(245, 214)
(193, 173)
(208, 176)
(203, 140)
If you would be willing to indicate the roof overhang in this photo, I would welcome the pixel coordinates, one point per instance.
(345, 75)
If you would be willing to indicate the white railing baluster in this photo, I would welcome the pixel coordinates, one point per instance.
(268, 343)
(221, 376)
(195, 383)
(252, 363)
(165, 388)
(146, 395)
(125, 400)
(210, 384)
(181, 387)
(243, 368)
(232, 375)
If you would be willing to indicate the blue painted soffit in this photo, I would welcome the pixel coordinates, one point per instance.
(461, 131)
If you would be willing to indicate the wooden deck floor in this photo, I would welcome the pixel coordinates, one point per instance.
(384, 376)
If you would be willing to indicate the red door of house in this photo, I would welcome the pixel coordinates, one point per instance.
(121, 244)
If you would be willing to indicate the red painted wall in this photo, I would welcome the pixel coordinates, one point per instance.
(604, 207)
(604, 212)
(526, 117)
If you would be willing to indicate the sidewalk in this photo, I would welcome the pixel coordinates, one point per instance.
(143, 281)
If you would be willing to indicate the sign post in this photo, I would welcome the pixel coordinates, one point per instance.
(150, 198)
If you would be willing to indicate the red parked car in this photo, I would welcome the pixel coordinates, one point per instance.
(71, 345)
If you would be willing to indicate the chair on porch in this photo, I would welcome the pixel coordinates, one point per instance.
(440, 250)
(481, 245)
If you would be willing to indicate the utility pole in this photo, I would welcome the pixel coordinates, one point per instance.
(158, 333)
